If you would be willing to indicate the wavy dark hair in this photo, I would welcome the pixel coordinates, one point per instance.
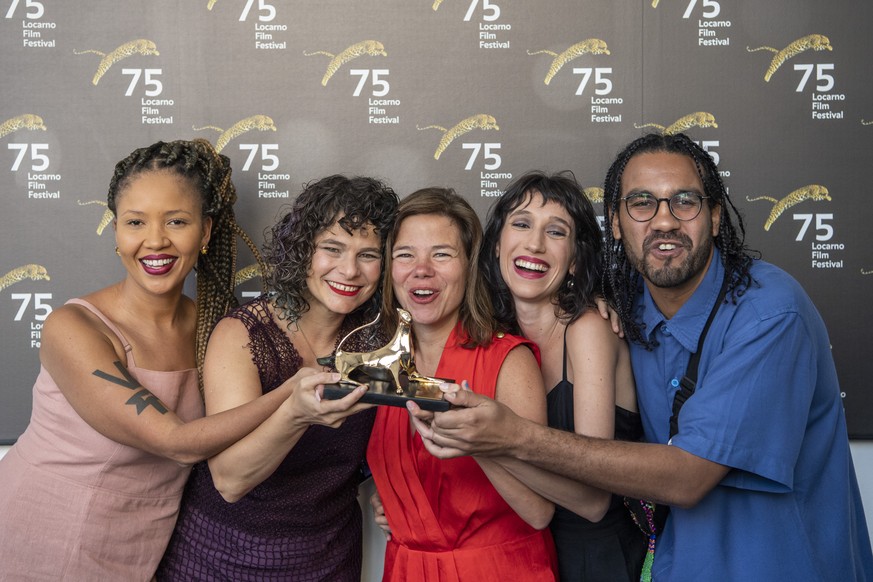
(209, 172)
(476, 313)
(578, 290)
(622, 281)
(353, 202)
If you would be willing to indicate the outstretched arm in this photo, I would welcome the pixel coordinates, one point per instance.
(597, 364)
(88, 364)
(481, 426)
(520, 388)
(231, 380)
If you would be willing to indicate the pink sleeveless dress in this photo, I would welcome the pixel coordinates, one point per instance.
(75, 505)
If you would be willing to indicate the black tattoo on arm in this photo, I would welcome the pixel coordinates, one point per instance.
(141, 399)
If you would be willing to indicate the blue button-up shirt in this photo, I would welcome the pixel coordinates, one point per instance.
(767, 405)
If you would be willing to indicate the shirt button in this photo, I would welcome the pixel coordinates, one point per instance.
(665, 329)
(674, 383)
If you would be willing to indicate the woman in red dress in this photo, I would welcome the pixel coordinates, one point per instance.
(465, 518)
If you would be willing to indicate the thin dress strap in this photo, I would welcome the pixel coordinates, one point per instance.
(128, 349)
(564, 359)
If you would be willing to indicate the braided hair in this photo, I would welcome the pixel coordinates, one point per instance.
(622, 281)
(354, 203)
(578, 290)
(209, 172)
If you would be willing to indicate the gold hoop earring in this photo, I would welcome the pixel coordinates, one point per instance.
(204, 249)
(116, 252)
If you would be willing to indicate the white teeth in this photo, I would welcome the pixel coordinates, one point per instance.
(423, 292)
(341, 287)
(156, 263)
(531, 266)
(666, 246)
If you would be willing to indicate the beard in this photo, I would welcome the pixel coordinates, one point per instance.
(671, 275)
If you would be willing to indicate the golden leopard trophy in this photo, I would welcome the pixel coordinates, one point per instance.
(389, 371)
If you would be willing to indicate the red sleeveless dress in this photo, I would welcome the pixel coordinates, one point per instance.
(448, 523)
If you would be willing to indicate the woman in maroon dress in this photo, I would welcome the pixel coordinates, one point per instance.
(281, 503)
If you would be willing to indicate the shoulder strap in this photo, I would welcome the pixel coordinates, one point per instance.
(128, 349)
(689, 381)
(564, 370)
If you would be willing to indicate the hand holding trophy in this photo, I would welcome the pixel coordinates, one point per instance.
(389, 372)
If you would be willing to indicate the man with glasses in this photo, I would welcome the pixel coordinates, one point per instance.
(756, 468)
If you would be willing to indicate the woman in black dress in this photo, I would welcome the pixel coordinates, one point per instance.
(541, 258)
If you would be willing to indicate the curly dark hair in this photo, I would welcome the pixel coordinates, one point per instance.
(622, 281)
(354, 203)
(577, 292)
(197, 161)
(476, 312)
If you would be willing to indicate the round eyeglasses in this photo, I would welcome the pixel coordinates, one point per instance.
(683, 206)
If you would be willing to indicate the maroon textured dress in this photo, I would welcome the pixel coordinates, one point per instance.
(304, 521)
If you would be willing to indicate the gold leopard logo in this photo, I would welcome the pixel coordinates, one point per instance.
(373, 48)
(107, 217)
(140, 46)
(255, 122)
(816, 42)
(32, 272)
(594, 194)
(27, 121)
(480, 121)
(592, 46)
(696, 119)
(247, 274)
(810, 192)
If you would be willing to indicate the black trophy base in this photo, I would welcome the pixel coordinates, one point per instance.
(375, 395)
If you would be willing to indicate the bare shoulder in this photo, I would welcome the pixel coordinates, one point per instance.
(520, 385)
(520, 359)
(591, 330)
(229, 331)
(598, 357)
(230, 376)
(74, 327)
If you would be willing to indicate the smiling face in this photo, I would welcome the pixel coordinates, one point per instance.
(535, 250)
(345, 269)
(670, 254)
(159, 230)
(429, 270)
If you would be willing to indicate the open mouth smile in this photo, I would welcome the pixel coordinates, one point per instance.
(342, 289)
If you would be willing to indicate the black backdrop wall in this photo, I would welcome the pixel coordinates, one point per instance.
(461, 93)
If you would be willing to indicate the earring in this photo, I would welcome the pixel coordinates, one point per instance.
(116, 252)
(204, 249)
(571, 283)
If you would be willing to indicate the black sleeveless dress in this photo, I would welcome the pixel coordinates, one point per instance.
(613, 549)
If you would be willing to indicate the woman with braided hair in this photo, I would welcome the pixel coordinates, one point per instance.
(92, 488)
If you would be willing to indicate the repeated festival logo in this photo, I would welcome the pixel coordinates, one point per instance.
(32, 272)
(700, 119)
(589, 46)
(252, 123)
(139, 46)
(814, 192)
(481, 121)
(372, 48)
(815, 42)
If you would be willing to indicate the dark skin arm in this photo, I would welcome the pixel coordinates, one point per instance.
(480, 426)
